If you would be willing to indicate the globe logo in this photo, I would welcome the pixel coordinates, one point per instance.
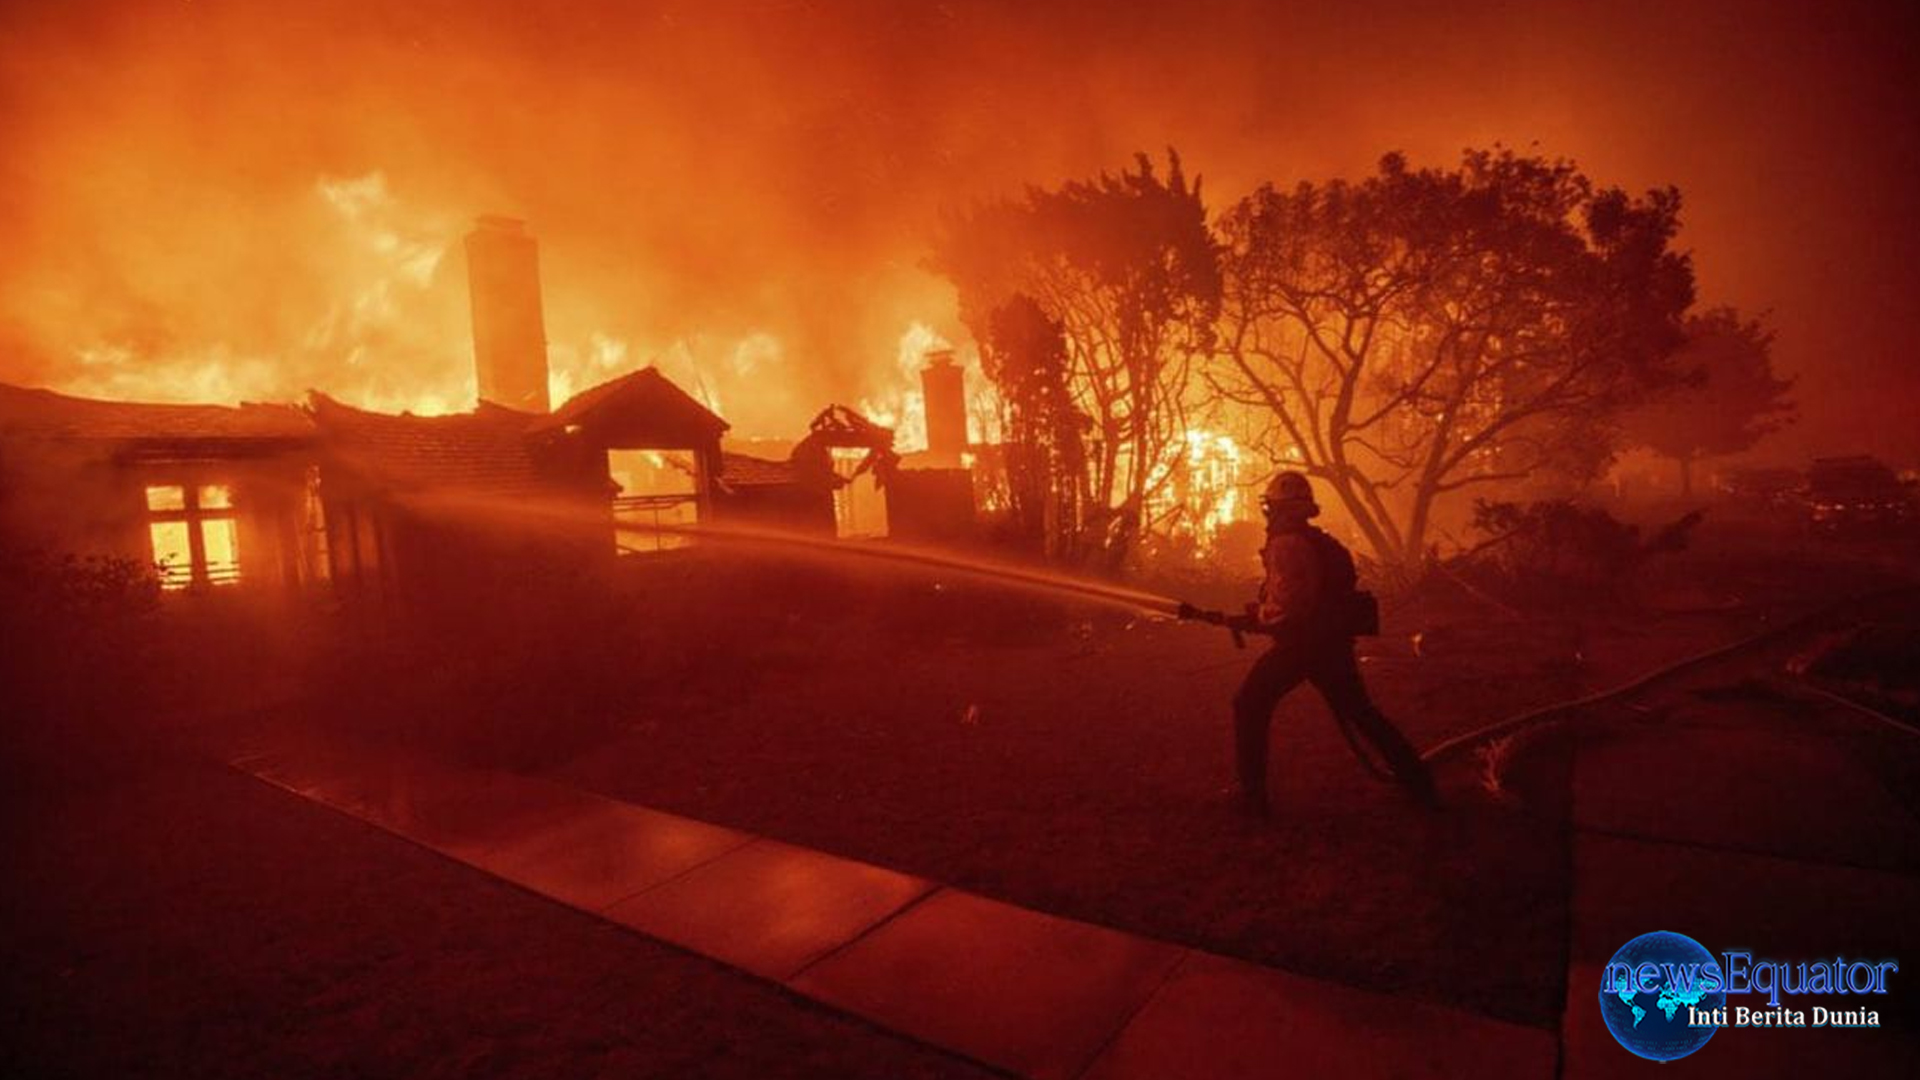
(1649, 1015)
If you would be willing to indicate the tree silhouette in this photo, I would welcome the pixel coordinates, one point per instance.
(1025, 354)
(1731, 399)
(1126, 269)
(1422, 332)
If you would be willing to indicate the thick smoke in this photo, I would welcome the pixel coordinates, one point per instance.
(227, 200)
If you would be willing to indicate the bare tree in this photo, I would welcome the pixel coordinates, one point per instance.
(1125, 267)
(1421, 332)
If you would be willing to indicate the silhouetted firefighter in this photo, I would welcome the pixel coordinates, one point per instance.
(1312, 608)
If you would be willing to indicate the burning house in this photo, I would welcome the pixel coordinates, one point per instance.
(656, 448)
(411, 504)
(275, 497)
(264, 497)
(776, 493)
(211, 495)
(822, 485)
(844, 478)
(403, 494)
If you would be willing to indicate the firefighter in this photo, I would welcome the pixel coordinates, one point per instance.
(1311, 607)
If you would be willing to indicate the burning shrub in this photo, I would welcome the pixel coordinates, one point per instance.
(1554, 551)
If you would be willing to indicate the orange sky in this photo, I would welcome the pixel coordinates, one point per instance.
(215, 199)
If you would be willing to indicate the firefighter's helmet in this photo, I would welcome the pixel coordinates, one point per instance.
(1289, 493)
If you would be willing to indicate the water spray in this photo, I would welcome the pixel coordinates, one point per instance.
(998, 572)
(562, 514)
(567, 515)
(926, 559)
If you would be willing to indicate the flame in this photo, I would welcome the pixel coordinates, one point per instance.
(900, 403)
(388, 329)
(380, 259)
(1201, 491)
(393, 253)
(384, 324)
(364, 203)
(1214, 466)
(118, 371)
(571, 370)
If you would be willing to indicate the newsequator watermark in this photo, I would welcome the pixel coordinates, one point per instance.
(1743, 976)
(1663, 995)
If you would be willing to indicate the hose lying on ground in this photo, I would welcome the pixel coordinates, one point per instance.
(1549, 712)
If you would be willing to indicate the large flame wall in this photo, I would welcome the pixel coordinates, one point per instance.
(222, 200)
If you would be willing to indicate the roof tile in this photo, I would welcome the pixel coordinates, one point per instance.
(44, 414)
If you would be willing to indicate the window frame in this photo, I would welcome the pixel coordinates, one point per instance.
(200, 576)
(634, 506)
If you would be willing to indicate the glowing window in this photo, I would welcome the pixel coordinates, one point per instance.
(172, 553)
(219, 537)
(194, 534)
(659, 493)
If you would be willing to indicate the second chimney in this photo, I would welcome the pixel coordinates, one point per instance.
(509, 331)
(944, 385)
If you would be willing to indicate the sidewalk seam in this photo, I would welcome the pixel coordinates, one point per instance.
(1186, 957)
(751, 839)
(932, 888)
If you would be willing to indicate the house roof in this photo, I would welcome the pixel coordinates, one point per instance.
(483, 450)
(639, 410)
(44, 414)
(493, 448)
(745, 470)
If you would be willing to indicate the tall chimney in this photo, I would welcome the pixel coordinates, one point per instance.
(944, 387)
(509, 333)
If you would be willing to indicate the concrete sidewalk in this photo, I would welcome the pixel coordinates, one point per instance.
(1020, 990)
(1762, 824)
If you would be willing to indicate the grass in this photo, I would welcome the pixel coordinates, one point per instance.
(1076, 764)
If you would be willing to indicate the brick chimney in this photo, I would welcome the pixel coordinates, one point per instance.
(943, 384)
(509, 332)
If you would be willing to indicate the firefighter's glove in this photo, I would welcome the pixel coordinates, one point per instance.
(1215, 618)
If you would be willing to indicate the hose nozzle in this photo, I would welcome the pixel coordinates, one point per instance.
(1234, 627)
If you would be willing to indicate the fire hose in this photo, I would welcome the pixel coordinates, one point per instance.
(1240, 625)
